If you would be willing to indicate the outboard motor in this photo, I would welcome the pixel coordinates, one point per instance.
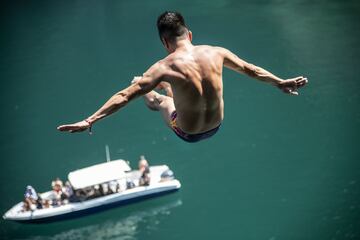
(167, 175)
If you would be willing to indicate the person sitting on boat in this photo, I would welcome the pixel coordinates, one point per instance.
(104, 189)
(145, 172)
(26, 206)
(67, 192)
(46, 203)
(114, 186)
(57, 185)
(130, 184)
(32, 200)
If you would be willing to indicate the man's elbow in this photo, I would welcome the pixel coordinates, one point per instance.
(121, 98)
(128, 94)
(252, 70)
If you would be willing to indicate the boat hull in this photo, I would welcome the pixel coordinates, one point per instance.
(93, 210)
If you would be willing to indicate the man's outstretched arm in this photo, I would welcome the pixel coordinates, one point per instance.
(289, 86)
(143, 85)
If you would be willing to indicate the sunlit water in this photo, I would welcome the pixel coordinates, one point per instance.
(126, 227)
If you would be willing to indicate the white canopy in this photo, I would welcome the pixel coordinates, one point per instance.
(98, 174)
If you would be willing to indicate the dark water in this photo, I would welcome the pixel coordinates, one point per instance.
(281, 167)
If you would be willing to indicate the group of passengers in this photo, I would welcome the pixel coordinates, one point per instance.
(98, 190)
(59, 195)
(116, 186)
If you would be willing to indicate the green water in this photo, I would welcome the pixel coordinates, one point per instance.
(281, 167)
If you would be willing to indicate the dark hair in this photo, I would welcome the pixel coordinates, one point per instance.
(171, 25)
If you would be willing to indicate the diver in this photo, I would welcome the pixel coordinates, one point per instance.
(191, 75)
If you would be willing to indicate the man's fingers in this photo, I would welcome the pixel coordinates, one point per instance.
(68, 128)
(302, 82)
(65, 127)
(71, 130)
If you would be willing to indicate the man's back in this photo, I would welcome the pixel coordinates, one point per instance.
(195, 75)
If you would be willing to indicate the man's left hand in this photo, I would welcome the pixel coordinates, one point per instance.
(76, 127)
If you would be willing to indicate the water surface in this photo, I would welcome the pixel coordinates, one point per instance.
(281, 167)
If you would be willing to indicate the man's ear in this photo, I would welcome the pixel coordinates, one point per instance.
(190, 36)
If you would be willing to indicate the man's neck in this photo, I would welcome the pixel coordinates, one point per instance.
(183, 44)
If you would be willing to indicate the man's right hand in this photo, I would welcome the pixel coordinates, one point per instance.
(291, 86)
(75, 127)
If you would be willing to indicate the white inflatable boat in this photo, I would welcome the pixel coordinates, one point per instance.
(88, 199)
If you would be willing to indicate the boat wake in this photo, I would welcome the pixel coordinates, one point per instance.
(128, 227)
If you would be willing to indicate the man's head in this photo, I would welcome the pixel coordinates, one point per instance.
(171, 26)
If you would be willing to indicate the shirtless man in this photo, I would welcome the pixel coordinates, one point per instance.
(192, 78)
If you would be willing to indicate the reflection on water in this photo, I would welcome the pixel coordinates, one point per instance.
(123, 228)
